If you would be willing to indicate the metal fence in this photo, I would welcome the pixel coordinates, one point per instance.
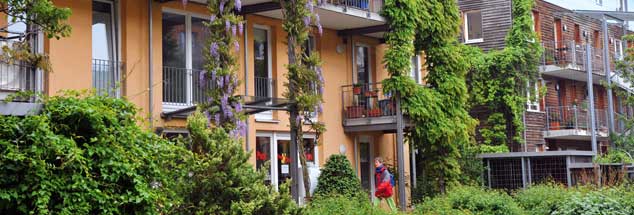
(106, 76)
(570, 54)
(574, 117)
(17, 76)
(366, 5)
(366, 100)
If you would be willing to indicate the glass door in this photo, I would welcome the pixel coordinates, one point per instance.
(263, 155)
(366, 164)
(262, 68)
(283, 160)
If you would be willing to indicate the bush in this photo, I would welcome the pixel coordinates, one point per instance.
(338, 178)
(592, 203)
(83, 155)
(470, 200)
(344, 205)
(221, 181)
(542, 199)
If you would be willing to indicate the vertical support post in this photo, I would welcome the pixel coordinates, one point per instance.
(568, 173)
(400, 154)
(489, 172)
(413, 164)
(573, 48)
(574, 108)
(294, 156)
(245, 46)
(150, 56)
(529, 171)
(593, 136)
(523, 173)
(608, 77)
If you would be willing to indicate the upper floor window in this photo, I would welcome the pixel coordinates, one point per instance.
(618, 49)
(599, 2)
(473, 26)
(415, 69)
(532, 95)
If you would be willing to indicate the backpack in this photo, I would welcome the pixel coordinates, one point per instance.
(392, 182)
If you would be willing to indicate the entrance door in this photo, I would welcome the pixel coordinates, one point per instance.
(104, 40)
(366, 164)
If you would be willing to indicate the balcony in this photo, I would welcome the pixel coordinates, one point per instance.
(568, 60)
(573, 123)
(351, 16)
(16, 77)
(106, 77)
(367, 108)
(181, 88)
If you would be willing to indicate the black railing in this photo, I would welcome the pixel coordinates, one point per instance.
(571, 54)
(574, 117)
(366, 100)
(106, 76)
(264, 87)
(182, 87)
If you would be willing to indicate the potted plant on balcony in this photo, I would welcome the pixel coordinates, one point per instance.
(374, 112)
(554, 120)
(355, 111)
(356, 89)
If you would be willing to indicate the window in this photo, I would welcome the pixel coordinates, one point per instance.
(618, 49)
(263, 154)
(183, 40)
(415, 69)
(598, 2)
(536, 23)
(262, 68)
(104, 55)
(473, 27)
(532, 95)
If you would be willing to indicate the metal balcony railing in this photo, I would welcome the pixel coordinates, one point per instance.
(264, 87)
(374, 6)
(365, 101)
(17, 76)
(570, 54)
(106, 77)
(182, 87)
(574, 117)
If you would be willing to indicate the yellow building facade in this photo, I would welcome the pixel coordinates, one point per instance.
(152, 60)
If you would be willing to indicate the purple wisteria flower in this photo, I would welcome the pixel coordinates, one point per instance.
(237, 106)
(309, 6)
(212, 18)
(298, 119)
(213, 50)
(227, 25)
(201, 79)
(213, 75)
(217, 118)
(306, 20)
(236, 45)
(241, 28)
(234, 30)
(238, 5)
(221, 7)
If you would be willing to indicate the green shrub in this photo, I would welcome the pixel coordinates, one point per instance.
(221, 181)
(337, 177)
(344, 205)
(541, 199)
(470, 200)
(84, 155)
(595, 202)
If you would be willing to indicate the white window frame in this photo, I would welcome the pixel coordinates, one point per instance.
(532, 106)
(274, 137)
(618, 49)
(466, 28)
(265, 116)
(189, 101)
(415, 72)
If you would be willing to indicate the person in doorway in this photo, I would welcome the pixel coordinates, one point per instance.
(384, 187)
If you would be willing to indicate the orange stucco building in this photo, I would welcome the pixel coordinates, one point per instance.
(116, 46)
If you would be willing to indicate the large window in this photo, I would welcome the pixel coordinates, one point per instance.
(183, 40)
(473, 26)
(618, 49)
(415, 69)
(532, 95)
(104, 43)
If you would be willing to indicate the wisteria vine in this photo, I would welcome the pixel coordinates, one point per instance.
(305, 85)
(219, 80)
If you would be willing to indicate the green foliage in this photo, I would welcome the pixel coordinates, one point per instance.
(337, 177)
(42, 13)
(614, 156)
(442, 124)
(624, 139)
(221, 181)
(593, 203)
(470, 200)
(342, 205)
(541, 199)
(83, 155)
(512, 68)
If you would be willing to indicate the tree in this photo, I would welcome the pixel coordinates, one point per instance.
(338, 178)
(624, 140)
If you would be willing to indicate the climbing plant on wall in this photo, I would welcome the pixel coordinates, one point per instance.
(305, 82)
(441, 123)
(498, 80)
(219, 77)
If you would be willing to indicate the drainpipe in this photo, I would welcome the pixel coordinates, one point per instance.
(246, 76)
(150, 56)
(593, 136)
(608, 76)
